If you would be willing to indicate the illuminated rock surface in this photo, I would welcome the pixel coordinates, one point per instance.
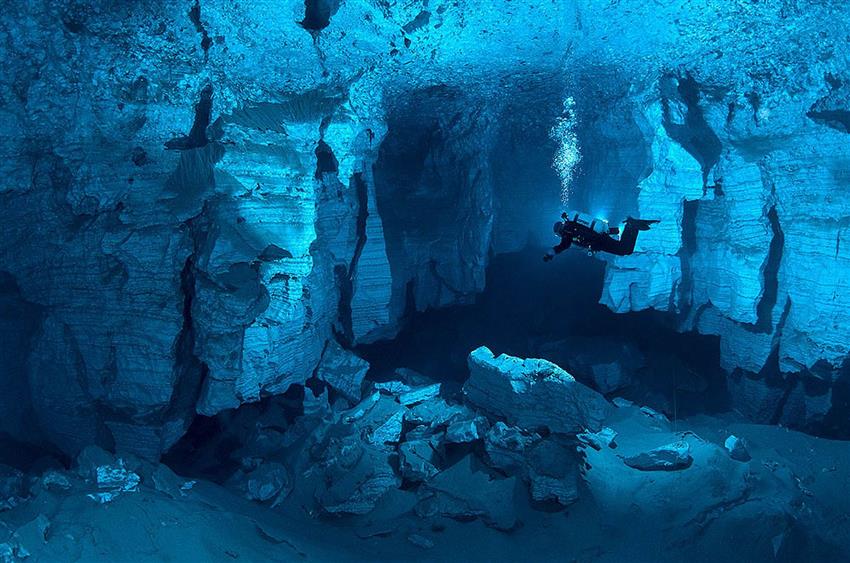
(229, 229)
(220, 202)
(532, 394)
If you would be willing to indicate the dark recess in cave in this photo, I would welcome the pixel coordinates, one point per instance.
(527, 303)
(695, 135)
(197, 137)
(838, 119)
(195, 17)
(318, 14)
(836, 425)
(190, 371)
(770, 275)
(345, 276)
(689, 247)
(206, 449)
(326, 162)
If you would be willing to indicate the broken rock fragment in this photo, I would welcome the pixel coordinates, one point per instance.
(666, 458)
(392, 387)
(434, 412)
(420, 541)
(267, 481)
(464, 493)
(419, 394)
(506, 447)
(737, 448)
(532, 394)
(417, 458)
(356, 490)
(378, 419)
(343, 371)
(12, 489)
(113, 480)
(465, 430)
(53, 480)
(599, 440)
(553, 472)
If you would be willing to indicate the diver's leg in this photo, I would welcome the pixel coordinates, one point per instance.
(626, 244)
(641, 224)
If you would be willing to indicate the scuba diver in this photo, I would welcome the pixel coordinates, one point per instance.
(595, 234)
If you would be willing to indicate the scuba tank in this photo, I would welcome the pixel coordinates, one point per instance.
(594, 224)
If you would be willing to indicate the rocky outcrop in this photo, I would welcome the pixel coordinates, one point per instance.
(193, 210)
(741, 172)
(665, 458)
(532, 394)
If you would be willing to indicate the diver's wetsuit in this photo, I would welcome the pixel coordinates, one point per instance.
(569, 232)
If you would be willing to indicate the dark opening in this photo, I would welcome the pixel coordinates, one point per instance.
(197, 137)
(318, 14)
(770, 275)
(326, 162)
(528, 304)
(695, 135)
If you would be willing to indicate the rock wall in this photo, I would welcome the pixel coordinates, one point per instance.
(198, 196)
(749, 160)
(194, 195)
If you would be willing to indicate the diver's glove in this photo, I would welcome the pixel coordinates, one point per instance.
(548, 257)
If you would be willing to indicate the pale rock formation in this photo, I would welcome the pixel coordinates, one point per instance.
(196, 198)
(191, 203)
(664, 458)
(343, 371)
(532, 394)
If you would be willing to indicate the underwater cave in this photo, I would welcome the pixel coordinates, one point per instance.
(430, 281)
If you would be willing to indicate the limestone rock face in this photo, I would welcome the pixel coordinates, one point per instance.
(192, 205)
(197, 198)
(532, 394)
(742, 174)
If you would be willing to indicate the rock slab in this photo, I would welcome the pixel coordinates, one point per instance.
(532, 394)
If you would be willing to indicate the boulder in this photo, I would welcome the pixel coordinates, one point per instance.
(419, 394)
(113, 480)
(342, 370)
(53, 480)
(464, 431)
(12, 487)
(598, 440)
(506, 446)
(665, 458)
(553, 472)
(463, 493)
(89, 459)
(267, 481)
(420, 541)
(435, 412)
(349, 467)
(378, 418)
(356, 488)
(737, 448)
(532, 394)
(417, 459)
(392, 387)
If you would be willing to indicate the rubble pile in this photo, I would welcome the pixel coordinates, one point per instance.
(407, 444)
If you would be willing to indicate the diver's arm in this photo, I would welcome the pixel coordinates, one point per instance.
(565, 243)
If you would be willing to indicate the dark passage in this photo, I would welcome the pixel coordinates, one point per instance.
(318, 13)
(551, 310)
(197, 137)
